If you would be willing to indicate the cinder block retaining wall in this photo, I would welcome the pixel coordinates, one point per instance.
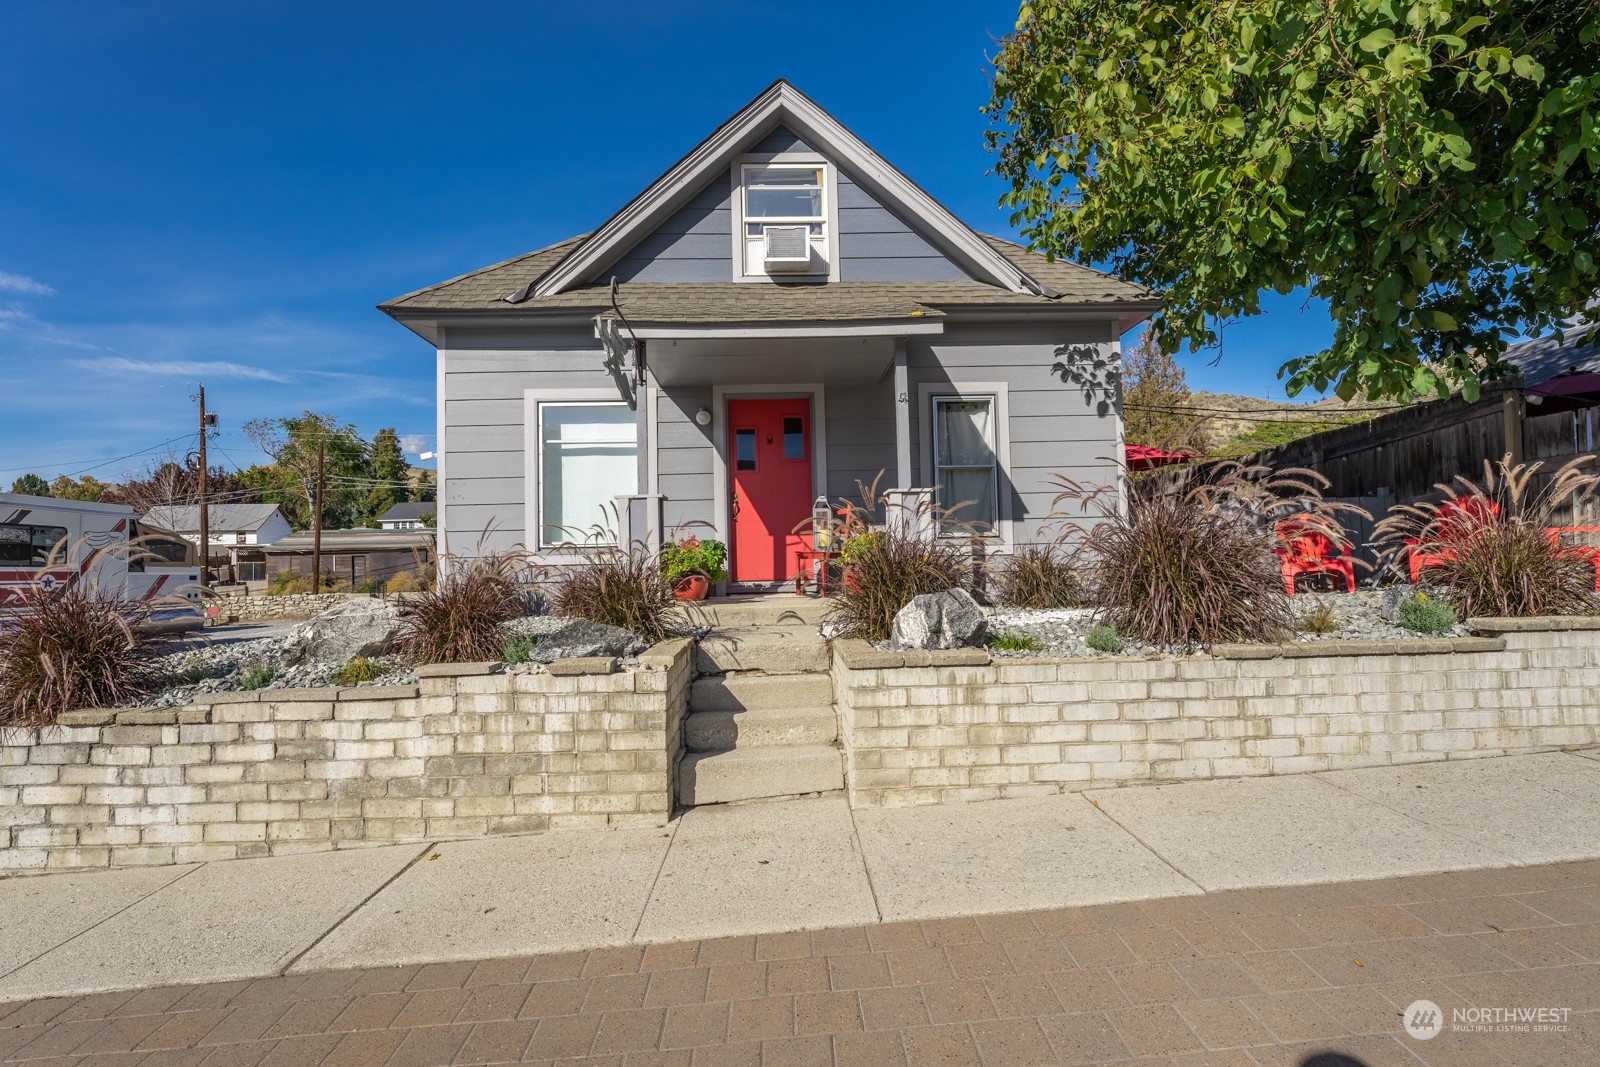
(465, 753)
(922, 728)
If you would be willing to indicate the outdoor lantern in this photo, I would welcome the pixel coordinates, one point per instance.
(703, 417)
(821, 517)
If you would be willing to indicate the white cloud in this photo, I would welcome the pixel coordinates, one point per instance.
(21, 283)
(414, 444)
(183, 368)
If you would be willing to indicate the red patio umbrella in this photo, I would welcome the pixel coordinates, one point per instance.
(1146, 458)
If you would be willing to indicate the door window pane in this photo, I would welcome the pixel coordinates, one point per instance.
(589, 455)
(794, 439)
(744, 450)
(964, 461)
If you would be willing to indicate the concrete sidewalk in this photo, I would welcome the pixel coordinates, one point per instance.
(766, 868)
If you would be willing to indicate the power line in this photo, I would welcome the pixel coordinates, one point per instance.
(97, 466)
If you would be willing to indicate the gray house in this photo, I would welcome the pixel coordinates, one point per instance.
(781, 314)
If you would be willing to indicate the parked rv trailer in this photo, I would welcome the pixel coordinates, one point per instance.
(48, 544)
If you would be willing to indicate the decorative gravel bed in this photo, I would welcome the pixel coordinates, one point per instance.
(198, 666)
(1063, 632)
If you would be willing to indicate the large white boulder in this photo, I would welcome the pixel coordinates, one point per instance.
(951, 619)
(338, 635)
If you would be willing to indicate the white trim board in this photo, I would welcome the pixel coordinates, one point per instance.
(781, 104)
(719, 440)
(1005, 490)
(531, 527)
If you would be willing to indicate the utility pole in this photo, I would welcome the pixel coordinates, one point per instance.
(316, 526)
(206, 421)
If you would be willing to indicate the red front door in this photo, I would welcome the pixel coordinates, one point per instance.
(769, 467)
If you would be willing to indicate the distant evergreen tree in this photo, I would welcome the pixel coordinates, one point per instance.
(425, 487)
(31, 485)
(391, 483)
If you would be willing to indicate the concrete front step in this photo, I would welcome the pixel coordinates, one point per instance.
(711, 731)
(752, 692)
(758, 773)
(765, 609)
(774, 649)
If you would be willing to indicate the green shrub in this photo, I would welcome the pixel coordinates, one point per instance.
(459, 619)
(516, 648)
(361, 669)
(1104, 639)
(76, 646)
(1040, 577)
(1422, 614)
(1492, 554)
(859, 544)
(680, 559)
(257, 675)
(1321, 619)
(288, 583)
(1012, 641)
(620, 587)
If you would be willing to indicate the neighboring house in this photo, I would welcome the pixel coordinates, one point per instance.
(354, 555)
(792, 316)
(407, 516)
(236, 532)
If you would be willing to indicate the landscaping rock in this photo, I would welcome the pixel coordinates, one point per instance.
(581, 639)
(951, 619)
(1389, 608)
(354, 628)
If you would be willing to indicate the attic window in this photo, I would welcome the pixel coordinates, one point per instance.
(788, 200)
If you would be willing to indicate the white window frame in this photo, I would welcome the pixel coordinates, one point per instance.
(533, 466)
(826, 244)
(997, 393)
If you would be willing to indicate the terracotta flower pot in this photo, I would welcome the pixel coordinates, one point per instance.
(692, 587)
(852, 584)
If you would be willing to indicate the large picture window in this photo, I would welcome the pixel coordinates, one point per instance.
(965, 469)
(588, 456)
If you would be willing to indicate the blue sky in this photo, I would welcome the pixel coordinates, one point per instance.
(223, 191)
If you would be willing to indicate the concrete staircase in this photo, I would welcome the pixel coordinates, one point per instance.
(761, 720)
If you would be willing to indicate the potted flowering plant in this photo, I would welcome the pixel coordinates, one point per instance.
(692, 565)
(854, 548)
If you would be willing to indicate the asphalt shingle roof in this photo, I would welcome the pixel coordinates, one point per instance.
(1544, 358)
(409, 511)
(732, 302)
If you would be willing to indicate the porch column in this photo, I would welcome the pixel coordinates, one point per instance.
(902, 417)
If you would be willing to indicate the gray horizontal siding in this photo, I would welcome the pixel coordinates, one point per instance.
(1054, 430)
(781, 139)
(860, 432)
(876, 245)
(486, 375)
(684, 456)
(694, 245)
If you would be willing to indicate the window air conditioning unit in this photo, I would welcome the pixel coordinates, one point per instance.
(786, 249)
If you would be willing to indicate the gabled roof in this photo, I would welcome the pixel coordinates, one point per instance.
(409, 511)
(224, 518)
(779, 104)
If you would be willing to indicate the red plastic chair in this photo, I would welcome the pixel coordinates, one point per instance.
(1584, 552)
(1305, 550)
(1453, 521)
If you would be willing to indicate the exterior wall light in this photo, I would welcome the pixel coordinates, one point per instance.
(703, 417)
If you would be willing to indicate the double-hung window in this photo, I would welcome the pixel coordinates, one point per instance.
(965, 468)
(588, 456)
(783, 195)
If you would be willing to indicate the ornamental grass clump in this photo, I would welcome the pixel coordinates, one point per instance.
(459, 619)
(1488, 546)
(888, 567)
(1193, 564)
(623, 587)
(1039, 577)
(74, 646)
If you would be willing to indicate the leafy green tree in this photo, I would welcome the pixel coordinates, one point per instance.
(292, 443)
(425, 487)
(391, 475)
(1427, 166)
(87, 488)
(31, 485)
(1155, 393)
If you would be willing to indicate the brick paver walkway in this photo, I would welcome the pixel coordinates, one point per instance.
(1308, 977)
